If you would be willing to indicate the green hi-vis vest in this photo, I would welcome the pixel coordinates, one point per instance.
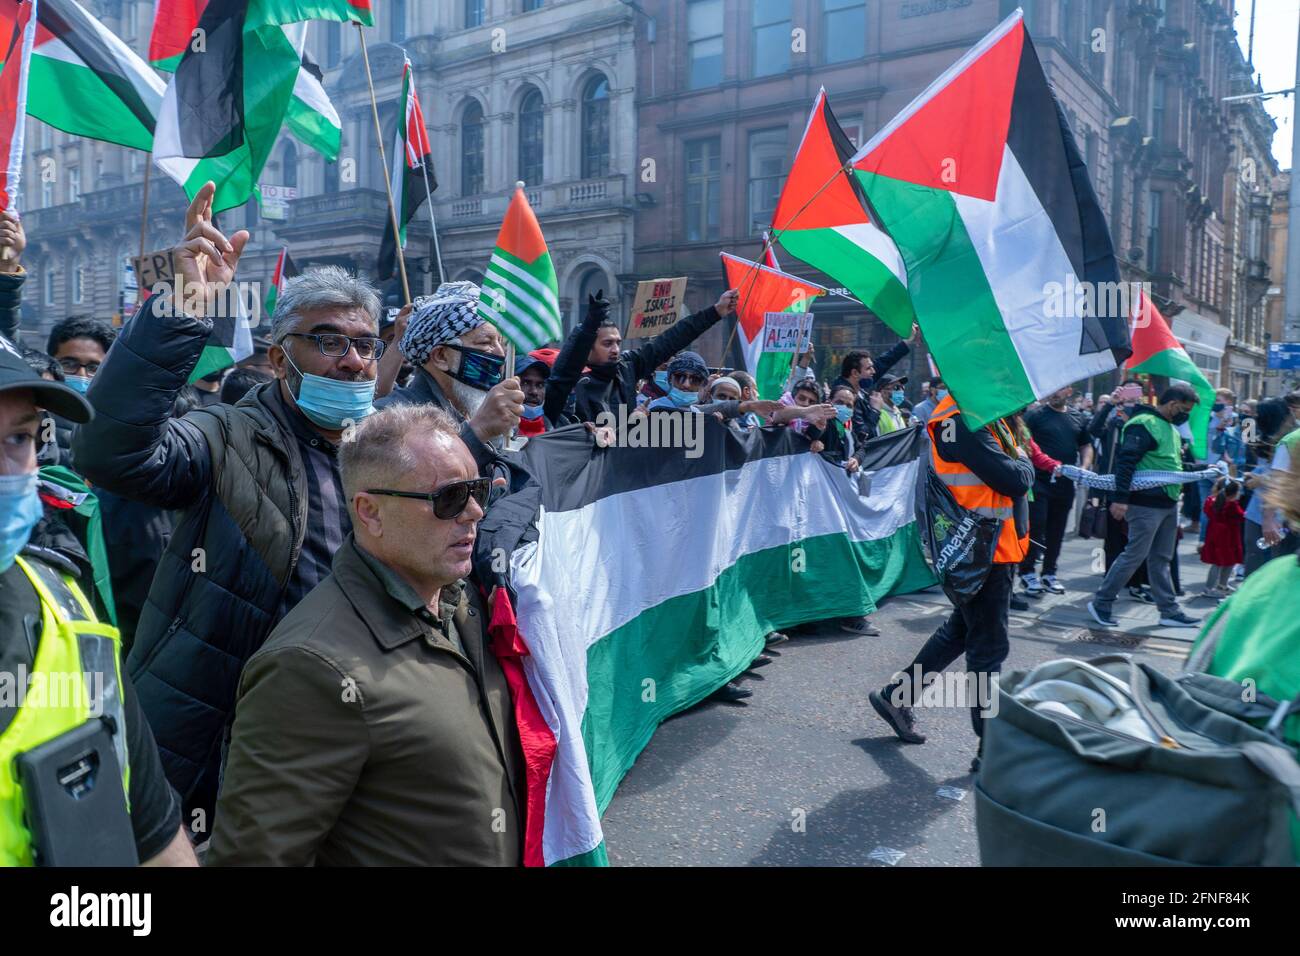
(1168, 453)
(1290, 441)
(75, 677)
(888, 421)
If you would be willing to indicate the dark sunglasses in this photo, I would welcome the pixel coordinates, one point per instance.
(448, 501)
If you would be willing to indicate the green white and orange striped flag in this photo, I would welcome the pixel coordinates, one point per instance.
(520, 294)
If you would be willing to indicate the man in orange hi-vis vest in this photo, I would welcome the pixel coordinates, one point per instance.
(988, 471)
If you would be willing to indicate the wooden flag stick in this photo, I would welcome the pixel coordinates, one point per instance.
(144, 225)
(383, 163)
(433, 225)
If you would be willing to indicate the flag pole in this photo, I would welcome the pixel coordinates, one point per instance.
(383, 163)
(433, 225)
(144, 225)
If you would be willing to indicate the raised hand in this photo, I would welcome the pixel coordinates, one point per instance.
(12, 241)
(205, 261)
(727, 303)
(499, 414)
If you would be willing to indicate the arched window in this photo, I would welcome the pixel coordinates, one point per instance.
(471, 150)
(289, 172)
(595, 129)
(471, 275)
(530, 137)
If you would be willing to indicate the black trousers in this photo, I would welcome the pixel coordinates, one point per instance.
(1048, 516)
(977, 629)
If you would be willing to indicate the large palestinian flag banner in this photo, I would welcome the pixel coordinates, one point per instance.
(229, 98)
(520, 293)
(822, 219)
(18, 44)
(602, 639)
(760, 290)
(980, 185)
(412, 174)
(84, 80)
(1157, 352)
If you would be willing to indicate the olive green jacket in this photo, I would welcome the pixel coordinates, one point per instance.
(363, 737)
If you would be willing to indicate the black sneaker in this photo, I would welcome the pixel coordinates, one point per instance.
(900, 719)
(1104, 618)
(860, 626)
(1018, 603)
(731, 693)
(776, 637)
(1179, 619)
(975, 764)
(762, 660)
(1141, 593)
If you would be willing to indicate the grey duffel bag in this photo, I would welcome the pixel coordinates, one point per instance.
(1110, 763)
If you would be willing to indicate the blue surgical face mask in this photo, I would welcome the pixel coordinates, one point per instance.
(532, 412)
(20, 509)
(78, 383)
(682, 399)
(897, 396)
(943, 393)
(661, 379)
(331, 403)
(843, 413)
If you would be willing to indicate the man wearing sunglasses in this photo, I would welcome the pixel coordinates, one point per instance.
(375, 726)
(257, 484)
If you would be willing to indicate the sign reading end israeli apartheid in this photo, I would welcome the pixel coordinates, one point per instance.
(153, 267)
(656, 306)
(787, 331)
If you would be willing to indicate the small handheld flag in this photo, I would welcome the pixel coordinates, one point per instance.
(520, 293)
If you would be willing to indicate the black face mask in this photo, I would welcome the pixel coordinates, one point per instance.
(604, 372)
(1179, 418)
(478, 369)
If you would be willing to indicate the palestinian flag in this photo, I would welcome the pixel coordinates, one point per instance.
(229, 342)
(284, 269)
(412, 171)
(769, 251)
(174, 22)
(981, 187)
(762, 290)
(18, 42)
(822, 219)
(602, 640)
(1157, 352)
(520, 294)
(86, 81)
(312, 118)
(228, 100)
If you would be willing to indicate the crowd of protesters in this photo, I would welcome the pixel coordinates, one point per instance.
(284, 547)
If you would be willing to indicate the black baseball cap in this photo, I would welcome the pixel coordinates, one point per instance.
(56, 397)
(886, 380)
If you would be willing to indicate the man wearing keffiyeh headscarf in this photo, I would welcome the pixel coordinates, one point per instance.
(459, 360)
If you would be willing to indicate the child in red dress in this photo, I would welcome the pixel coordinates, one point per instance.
(1223, 548)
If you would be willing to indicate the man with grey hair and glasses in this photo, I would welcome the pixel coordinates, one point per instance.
(375, 725)
(257, 484)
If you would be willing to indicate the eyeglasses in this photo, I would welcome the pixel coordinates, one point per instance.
(449, 501)
(336, 345)
(71, 366)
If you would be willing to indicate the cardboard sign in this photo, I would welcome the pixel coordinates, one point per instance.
(656, 306)
(787, 331)
(153, 267)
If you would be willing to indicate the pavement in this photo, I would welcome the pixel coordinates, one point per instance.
(804, 773)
